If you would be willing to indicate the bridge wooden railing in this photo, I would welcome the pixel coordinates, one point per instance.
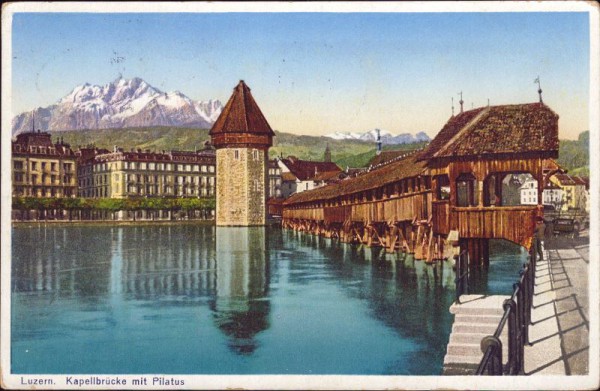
(514, 223)
(403, 208)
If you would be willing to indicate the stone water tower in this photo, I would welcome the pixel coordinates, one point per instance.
(242, 137)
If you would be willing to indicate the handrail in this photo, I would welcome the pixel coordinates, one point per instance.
(462, 275)
(517, 314)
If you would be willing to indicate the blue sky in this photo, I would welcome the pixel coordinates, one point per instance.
(315, 73)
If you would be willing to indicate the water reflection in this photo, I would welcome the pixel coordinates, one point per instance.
(200, 299)
(241, 308)
(165, 262)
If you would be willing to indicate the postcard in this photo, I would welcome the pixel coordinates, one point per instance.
(300, 195)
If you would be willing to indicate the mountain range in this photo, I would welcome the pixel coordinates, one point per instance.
(121, 103)
(133, 103)
(387, 138)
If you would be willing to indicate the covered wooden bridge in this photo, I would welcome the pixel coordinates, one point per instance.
(464, 180)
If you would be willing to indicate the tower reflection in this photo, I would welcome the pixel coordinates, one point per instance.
(241, 308)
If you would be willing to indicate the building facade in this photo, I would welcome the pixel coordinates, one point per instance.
(143, 173)
(274, 179)
(242, 137)
(41, 168)
(574, 191)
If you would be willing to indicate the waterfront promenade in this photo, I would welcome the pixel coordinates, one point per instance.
(560, 330)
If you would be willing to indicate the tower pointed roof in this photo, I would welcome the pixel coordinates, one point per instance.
(241, 115)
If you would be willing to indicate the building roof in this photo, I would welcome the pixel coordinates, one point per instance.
(565, 180)
(404, 168)
(384, 157)
(585, 181)
(327, 176)
(551, 186)
(512, 129)
(307, 169)
(40, 143)
(241, 115)
(551, 165)
(92, 155)
(288, 177)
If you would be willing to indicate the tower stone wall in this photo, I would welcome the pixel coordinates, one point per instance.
(241, 186)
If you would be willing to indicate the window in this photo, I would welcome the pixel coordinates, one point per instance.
(52, 166)
(203, 169)
(236, 154)
(34, 165)
(18, 165)
(211, 168)
(255, 154)
(465, 190)
(43, 166)
(443, 187)
(142, 166)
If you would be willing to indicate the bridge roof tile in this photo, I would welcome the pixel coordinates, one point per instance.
(404, 168)
(512, 129)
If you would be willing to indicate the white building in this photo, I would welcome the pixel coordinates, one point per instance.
(552, 194)
(302, 175)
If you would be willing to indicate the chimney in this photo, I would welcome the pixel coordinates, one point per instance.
(378, 141)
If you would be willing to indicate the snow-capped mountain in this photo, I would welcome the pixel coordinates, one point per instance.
(386, 137)
(121, 103)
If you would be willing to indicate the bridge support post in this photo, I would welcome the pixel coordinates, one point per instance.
(478, 249)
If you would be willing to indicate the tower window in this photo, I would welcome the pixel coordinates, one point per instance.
(236, 154)
(255, 154)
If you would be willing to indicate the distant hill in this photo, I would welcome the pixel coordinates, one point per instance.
(574, 155)
(353, 153)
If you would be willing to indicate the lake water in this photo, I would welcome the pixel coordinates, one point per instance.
(195, 299)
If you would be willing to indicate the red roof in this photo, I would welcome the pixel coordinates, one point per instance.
(241, 115)
(306, 169)
(507, 129)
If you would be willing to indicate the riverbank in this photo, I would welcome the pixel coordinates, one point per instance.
(54, 223)
(59, 223)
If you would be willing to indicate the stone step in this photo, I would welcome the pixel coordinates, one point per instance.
(459, 369)
(460, 359)
(464, 349)
(478, 311)
(477, 319)
(468, 328)
(469, 338)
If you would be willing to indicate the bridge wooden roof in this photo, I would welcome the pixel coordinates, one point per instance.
(506, 129)
(241, 114)
(404, 168)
